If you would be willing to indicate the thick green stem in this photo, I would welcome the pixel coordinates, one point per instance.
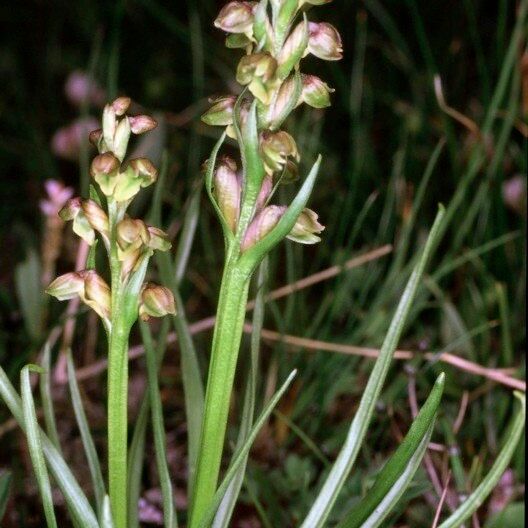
(117, 383)
(117, 422)
(226, 344)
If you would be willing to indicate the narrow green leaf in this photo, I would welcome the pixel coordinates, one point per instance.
(254, 255)
(136, 454)
(45, 396)
(86, 435)
(5, 487)
(169, 513)
(473, 502)
(35, 444)
(347, 456)
(106, 518)
(395, 493)
(77, 501)
(241, 454)
(191, 374)
(390, 476)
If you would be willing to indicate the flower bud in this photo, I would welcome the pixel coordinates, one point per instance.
(221, 113)
(96, 217)
(315, 92)
(142, 123)
(262, 224)
(324, 41)
(306, 228)
(96, 293)
(156, 301)
(67, 142)
(236, 17)
(81, 226)
(293, 50)
(121, 137)
(104, 170)
(131, 234)
(285, 102)
(227, 191)
(144, 170)
(276, 147)
(158, 239)
(66, 286)
(257, 71)
(121, 105)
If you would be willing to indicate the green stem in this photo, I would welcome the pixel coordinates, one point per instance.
(117, 421)
(117, 382)
(226, 343)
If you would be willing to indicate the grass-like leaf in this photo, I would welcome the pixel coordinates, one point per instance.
(106, 515)
(76, 499)
(472, 503)
(86, 436)
(346, 458)
(45, 396)
(136, 454)
(35, 444)
(5, 487)
(397, 473)
(240, 456)
(169, 512)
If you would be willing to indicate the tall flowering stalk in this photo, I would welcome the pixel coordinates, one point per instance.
(274, 35)
(129, 244)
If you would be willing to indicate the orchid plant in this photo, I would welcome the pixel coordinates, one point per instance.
(274, 36)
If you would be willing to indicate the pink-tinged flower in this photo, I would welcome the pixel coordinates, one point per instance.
(80, 88)
(57, 196)
(324, 41)
(66, 142)
(156, 301)
(227, 191)
(236, 17)
(262, 224)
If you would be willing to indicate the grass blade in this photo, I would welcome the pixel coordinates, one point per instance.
(45, 396)
(35, 444)
(86, 436)
(395, 493)
(472, 503)
(169, 513)
(106, 517)
(344, 462)
(77, 501)
(5, 487)
(136, 454)
(240, 456)
(390, 480)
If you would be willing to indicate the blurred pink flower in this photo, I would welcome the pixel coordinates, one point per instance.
(80, 87)
(57, 196)
(514, 193)
(66, 142)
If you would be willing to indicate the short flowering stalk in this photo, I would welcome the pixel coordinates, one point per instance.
(129, 244)
(275, 36)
